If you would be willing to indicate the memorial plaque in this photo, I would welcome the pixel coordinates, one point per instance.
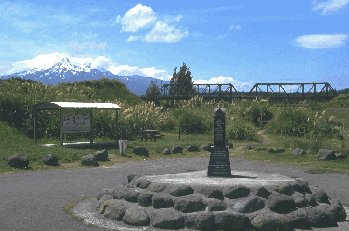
(219, 165)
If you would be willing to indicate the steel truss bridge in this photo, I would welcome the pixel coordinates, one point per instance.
(314, 90)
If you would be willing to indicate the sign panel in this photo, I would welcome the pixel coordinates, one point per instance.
(74, 122)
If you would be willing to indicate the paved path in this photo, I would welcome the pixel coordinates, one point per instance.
(34, 201)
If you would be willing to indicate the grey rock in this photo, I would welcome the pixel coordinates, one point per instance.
(89, 160)
(338, 210)
(301, 186)
(145, 199)
(181, 190)
(236, 191)
(167, 219)
(50, 159)
(162, 200)
(192, 148)
(299, 219)
(200, 221)
(326, 154)
(132, 177)
(269, 221)
(249, 205)
(105, 197)
(102, 155)
(113, 209)
(18, 161)
(156, 187)
(190, 203)
(263, 192)
(215, 204)
(142, 183)
(298, 152)
(119, 192)
(280, 203)
(321, 216)
(176, 149)
(340, 155)
(286, 189)
(231, 221)
(136, 216)
(299, 200)
(131, 194)
(166, 151)
(310, 200)
(211, 192)
(141, 151)
(321, 197)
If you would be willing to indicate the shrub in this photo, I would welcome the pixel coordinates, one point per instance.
(258, 113)
(191, 123)
(241, 131)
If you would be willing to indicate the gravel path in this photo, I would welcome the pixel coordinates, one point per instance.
(34, 201)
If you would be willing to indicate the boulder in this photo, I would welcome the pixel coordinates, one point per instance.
(132, 177)
(145, 199)
(167, 219)
(326, 154)
(299, 219)
(104, 198)
(141, 151)
(321, 197)
(156, 187)
(340, 155)
(263, 192)
(142, 183)
(176, 149)
(166, 151)
(162, 200)
(321, 216)
(50, 159)
(131, 194)
(215, 204)
(301, 187)
(18, 161)
(280, 203)
(113, 209)
(200, 221)
(299, 200)
(192, 148)
(236, 191)
(102, 155)
(338, 210)
(269, 221)
(105, 191)
(286, 189)
(89, 160)
(136, 216)
(249, 205)
(226, 220)
(298, 152)
(190, 203)
(181, 190)
(210, 192)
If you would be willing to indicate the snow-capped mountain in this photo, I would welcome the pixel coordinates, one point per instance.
(57, 68)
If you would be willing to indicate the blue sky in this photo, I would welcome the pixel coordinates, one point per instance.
(241, 41)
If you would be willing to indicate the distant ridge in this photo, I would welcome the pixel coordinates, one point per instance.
(63, 69)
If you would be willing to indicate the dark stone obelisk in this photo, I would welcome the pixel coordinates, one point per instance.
(219, 165)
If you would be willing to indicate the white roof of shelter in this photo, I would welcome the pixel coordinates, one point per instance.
(87, 105)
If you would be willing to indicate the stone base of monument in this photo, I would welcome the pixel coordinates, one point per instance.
(193, 201)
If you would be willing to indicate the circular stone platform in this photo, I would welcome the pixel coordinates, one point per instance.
(246, 201)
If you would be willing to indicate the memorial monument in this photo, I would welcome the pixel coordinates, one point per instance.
(219, 165)
(213, 200)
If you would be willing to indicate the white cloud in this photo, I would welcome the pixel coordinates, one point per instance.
(163, 32)
(143, 17)
(329, 6)
(234, 27)
(136, 18)
(239, 85)
(318, 41)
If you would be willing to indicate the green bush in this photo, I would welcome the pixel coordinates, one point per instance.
(191, 123)
(241, 131)
(258, 114)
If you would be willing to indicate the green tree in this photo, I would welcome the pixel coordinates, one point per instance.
(181, 83)
(153, 93)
